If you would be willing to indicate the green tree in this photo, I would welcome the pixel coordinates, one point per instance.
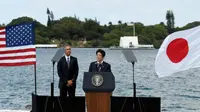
(112, 38)
(91, 35)
(41, 40)
(119, 22)
(48, 11)
(72, 27)
(191, 25)
(73, 30)
(2, 25)
(110, 26)
(22, 20)
(49, 22)
(91, 25)
(170, 21)
(162, 23)
(50, 18)
(38, 26)
(110, 23)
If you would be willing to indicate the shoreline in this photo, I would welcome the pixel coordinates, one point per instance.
(15, 110)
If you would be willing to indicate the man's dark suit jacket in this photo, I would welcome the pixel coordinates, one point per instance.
(94, 67)
(66, 74)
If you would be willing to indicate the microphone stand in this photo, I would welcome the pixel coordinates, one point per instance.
(52, 98)
(52, 83)
(134, 89)
(52, 88)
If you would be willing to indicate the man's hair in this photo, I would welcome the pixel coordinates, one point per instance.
(66, 45)
(103, 53)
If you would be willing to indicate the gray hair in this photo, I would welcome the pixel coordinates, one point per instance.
(66, 45)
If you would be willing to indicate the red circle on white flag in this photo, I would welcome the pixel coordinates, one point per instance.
(177, 50)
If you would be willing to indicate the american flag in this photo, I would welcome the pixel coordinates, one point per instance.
(17, 45)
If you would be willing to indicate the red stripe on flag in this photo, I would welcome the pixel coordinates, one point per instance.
(2, 28)
(2, 39)
(2, 33)
(17, 57)
(2, 45)
(18, 64)
(17, 51)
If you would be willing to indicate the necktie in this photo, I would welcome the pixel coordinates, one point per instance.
(68, 62)
(100, 67)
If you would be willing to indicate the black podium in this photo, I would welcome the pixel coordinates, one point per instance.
(98, 87)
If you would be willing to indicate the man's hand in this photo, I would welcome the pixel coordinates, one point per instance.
(69, 83)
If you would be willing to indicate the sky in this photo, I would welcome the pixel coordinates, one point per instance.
(149, 12)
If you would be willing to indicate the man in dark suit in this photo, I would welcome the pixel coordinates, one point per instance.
(67, 69)
(100, 65)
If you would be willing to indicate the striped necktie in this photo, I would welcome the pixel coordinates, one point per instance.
(99, 67)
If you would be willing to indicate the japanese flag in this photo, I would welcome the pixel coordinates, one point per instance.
(179, 51)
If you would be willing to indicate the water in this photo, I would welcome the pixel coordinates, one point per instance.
(179, 93)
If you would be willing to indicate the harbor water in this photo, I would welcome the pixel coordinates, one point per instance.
(179, 92)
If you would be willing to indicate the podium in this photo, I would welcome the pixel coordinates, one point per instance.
(98, 87)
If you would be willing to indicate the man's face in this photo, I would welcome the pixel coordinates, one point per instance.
(68, 50)
(99, 57)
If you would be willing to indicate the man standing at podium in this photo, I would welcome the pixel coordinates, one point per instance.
(68, 72)
(100, 65)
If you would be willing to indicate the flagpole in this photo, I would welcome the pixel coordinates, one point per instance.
(33, 30)
(35, 79)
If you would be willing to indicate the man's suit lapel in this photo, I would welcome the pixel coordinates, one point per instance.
(95, 66)
(70, 63)
(65, 62)
(103, 67)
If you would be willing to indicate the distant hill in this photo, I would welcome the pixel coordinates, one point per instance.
(73, 31)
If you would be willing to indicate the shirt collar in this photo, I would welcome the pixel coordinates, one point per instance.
(100, 62)
(67, 56)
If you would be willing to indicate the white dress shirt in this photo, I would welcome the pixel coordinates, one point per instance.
(67, 58)
(100, 62)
